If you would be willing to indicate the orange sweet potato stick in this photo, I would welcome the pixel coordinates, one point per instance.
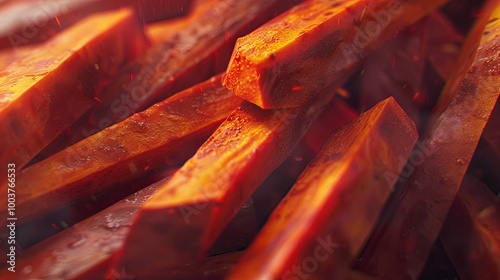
(278, 184)
(471, 233)
(30, 22)
(53, 84)
(124, 151)
(320, 226)
(410, 224)
(84, 250)
(399, 67)
(183, 219)
(199, 48)
(290, 59)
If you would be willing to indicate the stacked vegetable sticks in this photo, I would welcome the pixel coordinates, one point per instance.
(471, 233)
(199, 48)
(279, 183)
(182, 220)
(45, 91)
(125, 151)
(30, 22)
(290, 59)
(86, 246)
(320, 226)
(400, 68)
(445, 45)
(411, 222)
(84, 250)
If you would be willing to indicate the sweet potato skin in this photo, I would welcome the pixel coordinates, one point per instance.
(52, 85)
(336, 200)
(296, 55)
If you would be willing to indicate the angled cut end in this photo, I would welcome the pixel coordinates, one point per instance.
(164, 237)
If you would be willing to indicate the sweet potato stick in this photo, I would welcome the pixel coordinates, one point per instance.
(84, 250)
(471, 233)
(279, 183)
(181, 221)
(30, 22)
(336, 201)
(199, 49)
(290, 59)
(124, 151)
(445, 42)
(410, 224)
(211, 268)
(400, 68)
(53, 84)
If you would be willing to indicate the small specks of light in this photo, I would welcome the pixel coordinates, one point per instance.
(64, 224)
(97, 99)
(96, 66)
(146, 168)
(362, 14)
(299, 159)
(296, 88)
(342, 93)
(420, 98)
(57, 21)
(131, 76)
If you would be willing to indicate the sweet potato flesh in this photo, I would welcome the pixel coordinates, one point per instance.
(205, 193)
(290, 59)
(125, 151)
(53, 84)
(336, 200)
(198, 48)
(31, 22)
(87, 247)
